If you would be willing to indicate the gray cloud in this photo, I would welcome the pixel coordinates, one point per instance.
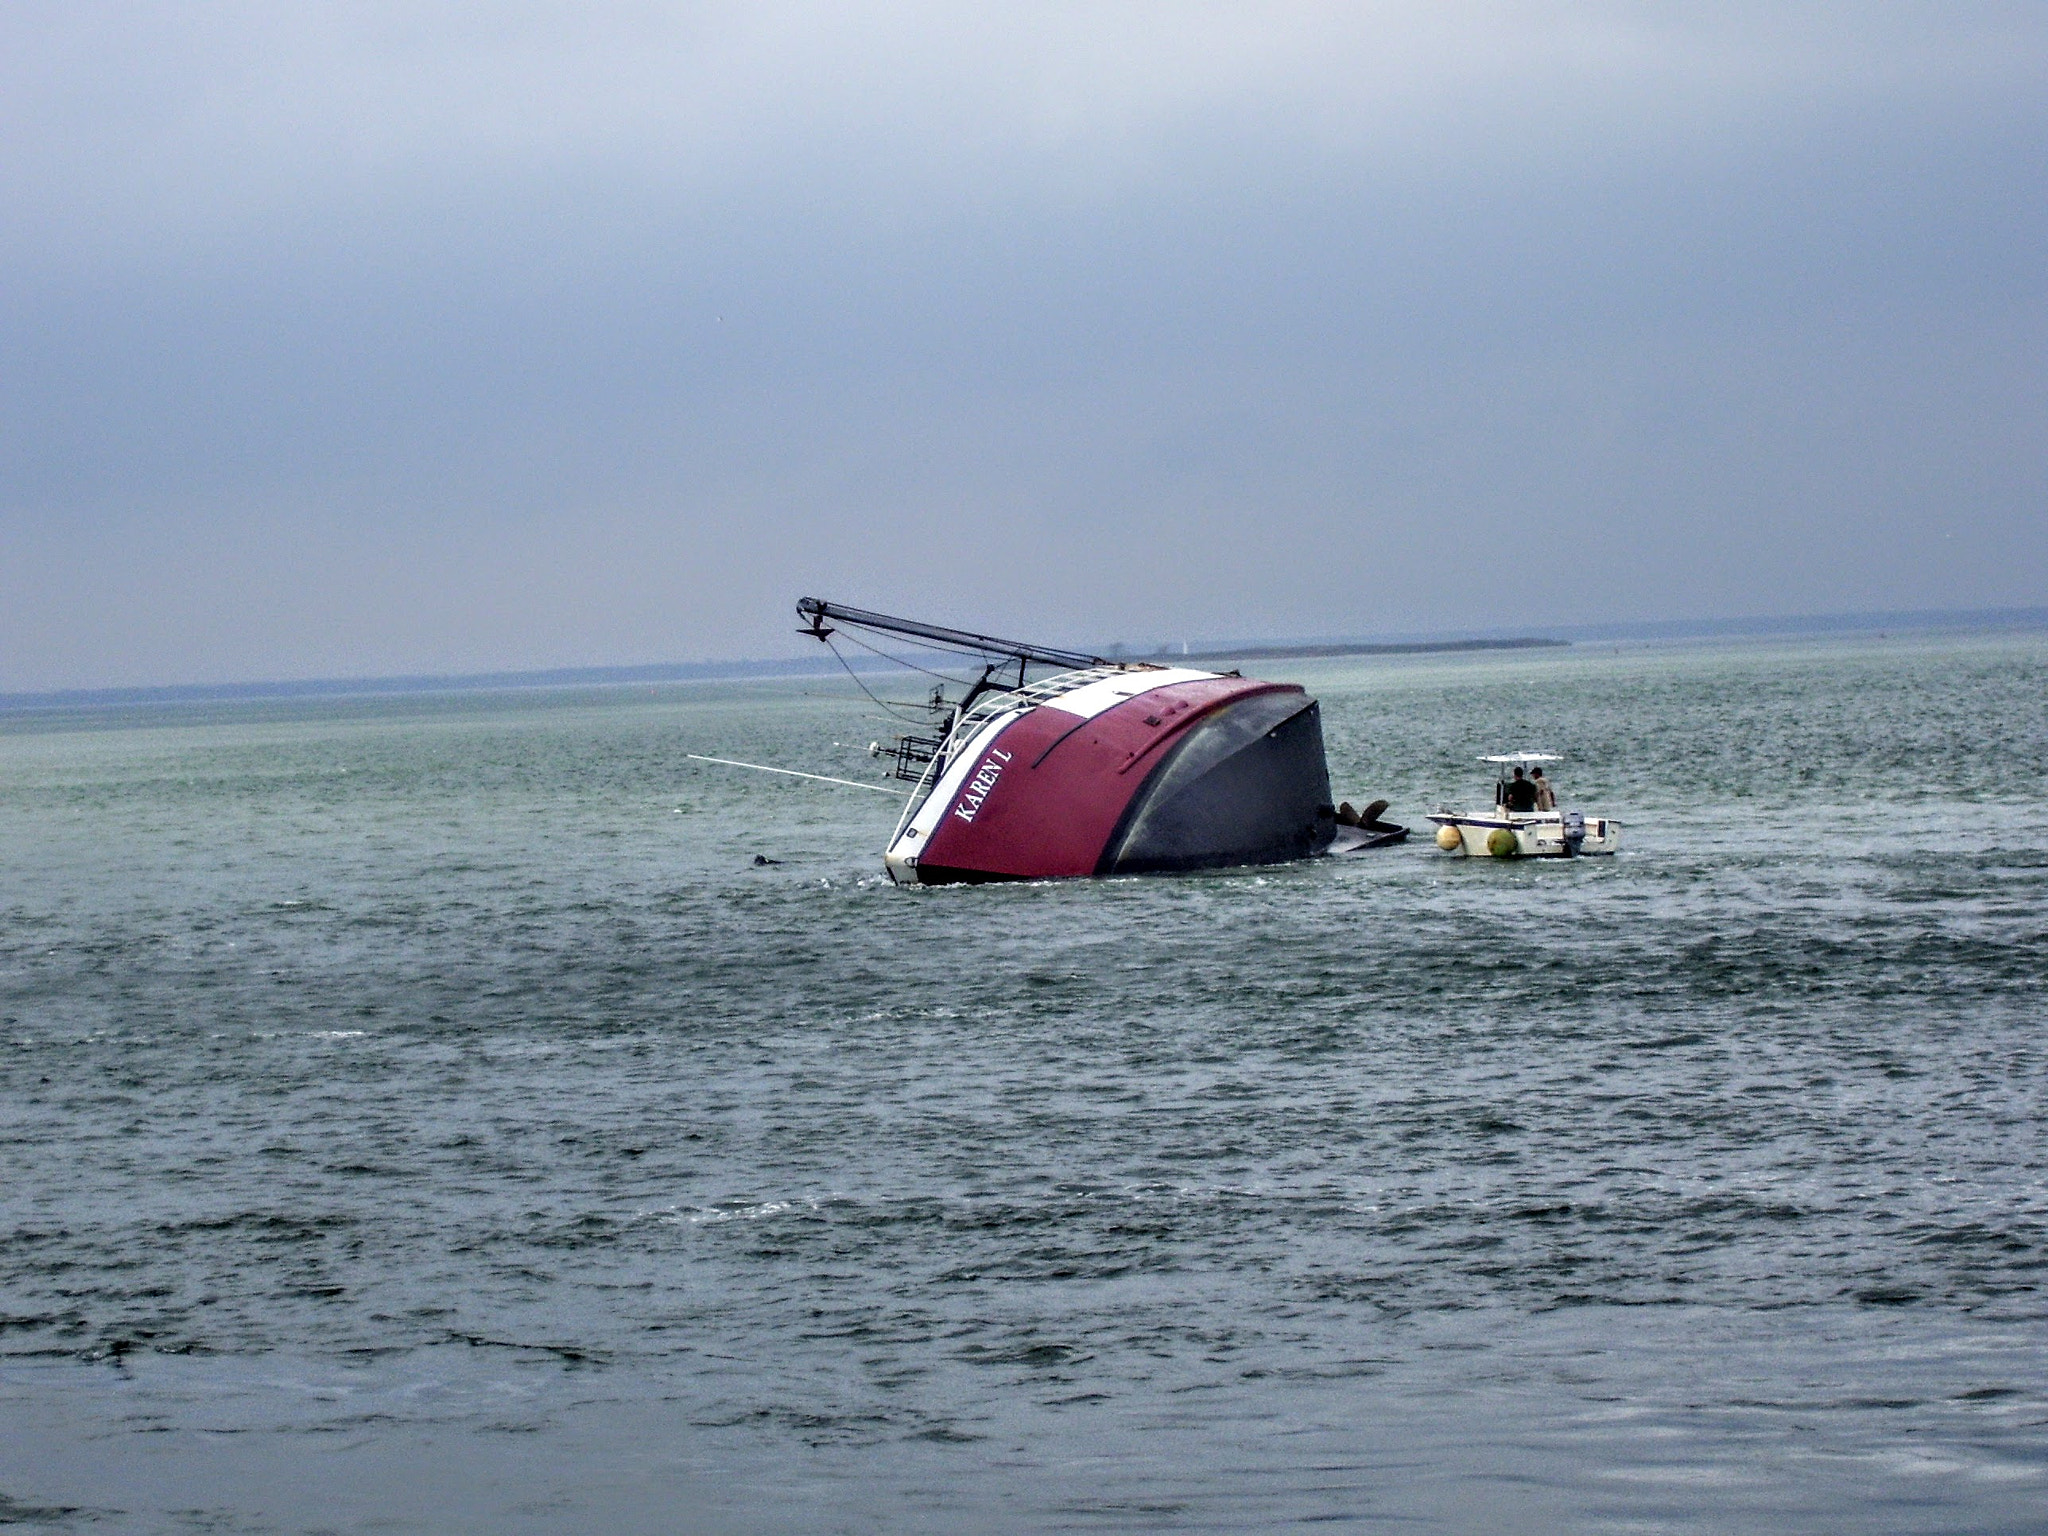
(344, 340)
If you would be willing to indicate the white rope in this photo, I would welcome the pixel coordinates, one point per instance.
(880, 789)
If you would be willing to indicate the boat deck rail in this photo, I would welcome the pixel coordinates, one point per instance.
(1002, 701)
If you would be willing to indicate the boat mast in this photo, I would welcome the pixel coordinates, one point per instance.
(997, 653)
(819, 616)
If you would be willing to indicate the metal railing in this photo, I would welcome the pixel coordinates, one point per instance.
(969, 723)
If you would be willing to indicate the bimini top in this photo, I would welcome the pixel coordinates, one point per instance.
(1524, 757)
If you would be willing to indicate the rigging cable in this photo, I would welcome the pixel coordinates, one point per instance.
(943, 677)
(863, 687)
(979, 653)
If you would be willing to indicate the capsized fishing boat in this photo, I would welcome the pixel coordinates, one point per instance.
(1097, 767)
(1093, 766)
(1509, 831)
(1055, 764)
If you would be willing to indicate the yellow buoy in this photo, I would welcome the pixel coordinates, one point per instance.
(1501, 843)
(1450, 839)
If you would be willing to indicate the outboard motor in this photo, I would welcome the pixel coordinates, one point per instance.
(1574, 832)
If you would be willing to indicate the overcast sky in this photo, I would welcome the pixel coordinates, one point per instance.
(376, 338)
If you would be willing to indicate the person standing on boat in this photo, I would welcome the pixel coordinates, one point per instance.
(1521, 793)
(1546, 797)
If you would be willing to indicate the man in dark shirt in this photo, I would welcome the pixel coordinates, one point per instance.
(1521, 793)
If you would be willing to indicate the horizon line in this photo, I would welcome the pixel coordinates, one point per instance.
(1298, 648)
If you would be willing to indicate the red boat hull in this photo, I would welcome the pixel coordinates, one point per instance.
(1197, 773)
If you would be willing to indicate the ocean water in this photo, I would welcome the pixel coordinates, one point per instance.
(422, 1115)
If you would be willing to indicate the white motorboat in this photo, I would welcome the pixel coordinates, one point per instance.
(1509, 832)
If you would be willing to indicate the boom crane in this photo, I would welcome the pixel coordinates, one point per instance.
(820, 616)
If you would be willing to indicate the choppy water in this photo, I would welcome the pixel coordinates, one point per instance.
(421, 1115)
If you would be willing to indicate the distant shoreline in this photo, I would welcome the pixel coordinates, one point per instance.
(1255, 652)
(1919, 621)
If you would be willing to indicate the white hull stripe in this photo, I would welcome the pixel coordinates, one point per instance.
(1092, 699)
(940, 801)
